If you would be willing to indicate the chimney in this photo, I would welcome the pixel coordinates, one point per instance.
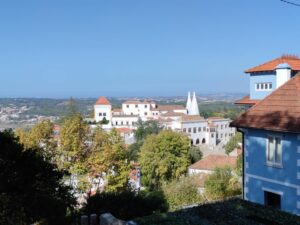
(283, 74)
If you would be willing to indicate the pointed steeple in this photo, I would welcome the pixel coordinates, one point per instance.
(188, 102)
(194, 110)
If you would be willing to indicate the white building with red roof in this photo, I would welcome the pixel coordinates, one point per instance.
(200, 131)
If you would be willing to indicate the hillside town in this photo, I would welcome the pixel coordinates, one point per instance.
(149, 112)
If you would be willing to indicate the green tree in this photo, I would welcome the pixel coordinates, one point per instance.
(31, 188)
(73, 147)
(233, 142)
(195, 154)
(40, 137)
(164, 157)
(144, 128)
(222, 184)
(109, 156)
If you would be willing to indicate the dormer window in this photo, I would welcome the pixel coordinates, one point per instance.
(267, 86)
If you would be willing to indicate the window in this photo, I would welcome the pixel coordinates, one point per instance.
(212, 135)
(274, 150)
(136, 106)
(116, 122)
(272, 199)
(146, 106)
(121, 122)
(195, 129)
(127, 106)
(266, 86)
(199, 129)
(104, 114)
(190, 130)
(222, 126)
(184, 130)
(127, 122)
(100, 114)
(145, 113)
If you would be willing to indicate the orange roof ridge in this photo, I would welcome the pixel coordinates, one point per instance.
(102, 101)
(292, 60)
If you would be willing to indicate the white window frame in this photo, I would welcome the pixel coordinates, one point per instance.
(260, 86)
(273, 163)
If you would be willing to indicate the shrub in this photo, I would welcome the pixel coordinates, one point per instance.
(222, 184)
(126, 205)
(182, 192)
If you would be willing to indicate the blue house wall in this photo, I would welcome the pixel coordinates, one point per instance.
(261, 78)
(260, 177)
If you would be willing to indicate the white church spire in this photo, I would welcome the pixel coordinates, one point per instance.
(194, 110)
(188, 102)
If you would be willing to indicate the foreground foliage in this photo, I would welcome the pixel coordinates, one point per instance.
(229, 212)
(126, 205)
(30, 188)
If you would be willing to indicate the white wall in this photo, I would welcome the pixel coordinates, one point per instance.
(282, 76)
(101, 111)
(192, 129)
(124, 121)
(138, 109)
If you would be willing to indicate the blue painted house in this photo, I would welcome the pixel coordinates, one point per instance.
(271, 136)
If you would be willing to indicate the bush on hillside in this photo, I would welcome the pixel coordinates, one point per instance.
(182, 192)
(126, 205)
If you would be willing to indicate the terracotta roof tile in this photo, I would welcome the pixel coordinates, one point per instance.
(210, 162)
(190, 118)
(279, 111)
(124, 130)
(293, 61)
(246, 101)
(102, 101)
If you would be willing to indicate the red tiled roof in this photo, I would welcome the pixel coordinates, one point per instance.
(210, 162)
(293, 61)
(246, 101)
(190, 118)
(279, 111)
(102, 101)
(172, 114)
(124, 130)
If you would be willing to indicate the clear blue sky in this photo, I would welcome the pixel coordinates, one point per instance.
(85, 48)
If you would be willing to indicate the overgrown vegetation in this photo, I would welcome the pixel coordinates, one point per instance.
(233, 142)
(182, 192)
(221, 184)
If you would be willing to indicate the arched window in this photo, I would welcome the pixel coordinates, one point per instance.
(197, 141)
(192, 143)
(203, 141)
